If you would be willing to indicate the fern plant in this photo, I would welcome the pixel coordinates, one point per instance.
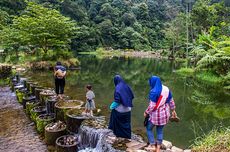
(213, 55)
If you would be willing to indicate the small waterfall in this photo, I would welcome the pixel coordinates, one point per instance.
(94, 140)
(94, 136)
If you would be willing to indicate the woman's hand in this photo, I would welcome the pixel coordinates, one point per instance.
(174, 114)
(145, 114)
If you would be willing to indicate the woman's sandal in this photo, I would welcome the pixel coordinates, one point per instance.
(174, 119)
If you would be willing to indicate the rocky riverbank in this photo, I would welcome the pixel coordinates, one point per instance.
(17, 133)
(142, 54)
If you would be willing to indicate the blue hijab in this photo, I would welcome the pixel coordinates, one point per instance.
(57, 67)
(156, 88)
(123, 93)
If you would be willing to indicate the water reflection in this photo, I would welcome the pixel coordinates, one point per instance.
(199, 107)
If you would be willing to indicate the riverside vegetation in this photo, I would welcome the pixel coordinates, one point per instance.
(195, 30)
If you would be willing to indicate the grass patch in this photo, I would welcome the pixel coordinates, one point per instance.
(215, 141)
(209, 78)
(185, 71)
(88, 53)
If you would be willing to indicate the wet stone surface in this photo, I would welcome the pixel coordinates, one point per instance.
(17, 133)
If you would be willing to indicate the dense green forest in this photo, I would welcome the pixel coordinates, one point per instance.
(50, 29)
(121, 24)
(132, 24)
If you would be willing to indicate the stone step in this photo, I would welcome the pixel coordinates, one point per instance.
(132, 143)
(134, 146)
(176, 149)
(166, 145)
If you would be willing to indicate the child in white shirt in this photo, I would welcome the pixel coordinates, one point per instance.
(90, 104)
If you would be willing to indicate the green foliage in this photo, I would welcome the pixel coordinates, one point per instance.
(45, 28)
(87, 39)
(41, 123)
(204, 15)
(185, 71)
(39, 29)
(74, 10)
(12, 7)
(136, 24)
(227, 81)
(12, 38)
(216, 140)
(141, 11)
(213, 55)
(129, 38)
(20, 96)
(209, 78)
(175, 33)
(3, 82)
(128, 19)
(106, 23)
(212, 50)
(4, 19)
(201, 98)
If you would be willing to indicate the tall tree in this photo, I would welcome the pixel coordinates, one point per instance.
(12, 7)
(45, 28)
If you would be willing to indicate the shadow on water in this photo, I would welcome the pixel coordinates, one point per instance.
(199, 107)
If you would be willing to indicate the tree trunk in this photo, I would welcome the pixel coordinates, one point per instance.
(16, 51)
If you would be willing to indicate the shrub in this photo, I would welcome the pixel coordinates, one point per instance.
(209, 77)
(215, 141)
(185, 71)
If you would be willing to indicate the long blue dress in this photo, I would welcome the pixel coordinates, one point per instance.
(120, 122)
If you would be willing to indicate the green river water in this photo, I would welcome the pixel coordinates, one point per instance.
(200, 107)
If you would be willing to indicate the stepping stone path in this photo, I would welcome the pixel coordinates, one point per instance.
(17, 133)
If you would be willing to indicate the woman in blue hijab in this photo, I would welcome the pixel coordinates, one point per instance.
(158, 112)
(120, 118)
